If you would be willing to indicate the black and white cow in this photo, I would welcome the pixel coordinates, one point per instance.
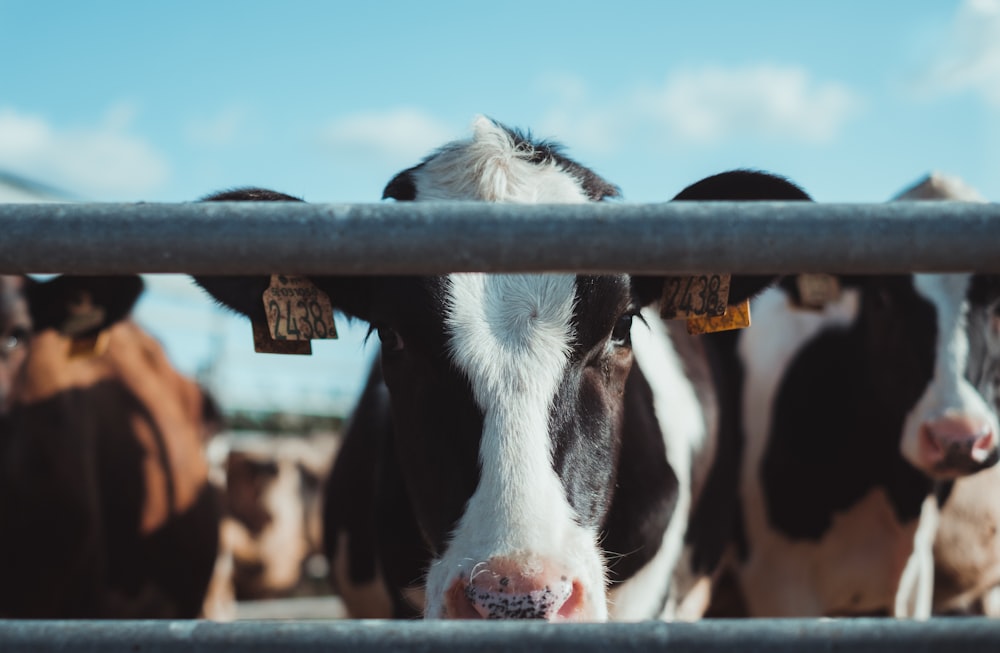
(967, 543)
(517, 459)
(855, 416)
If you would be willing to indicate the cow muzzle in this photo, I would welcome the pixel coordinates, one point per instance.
(957, 445)
(502, 588)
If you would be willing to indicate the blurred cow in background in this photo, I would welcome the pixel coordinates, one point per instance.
(857, 410)
(271, 531)
(967, 544)
(104, 502)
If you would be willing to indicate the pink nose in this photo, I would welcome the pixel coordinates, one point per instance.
(958, 442)
(501, 588)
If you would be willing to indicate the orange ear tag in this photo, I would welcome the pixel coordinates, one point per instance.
(737, 317)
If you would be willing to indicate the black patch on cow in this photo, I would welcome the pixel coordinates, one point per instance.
(983, 328)
(365, 499)
(437, 421)
(402, 188)
(645, 487)
(839, 411)
(250, 194)
(716, 519)
(585, 417)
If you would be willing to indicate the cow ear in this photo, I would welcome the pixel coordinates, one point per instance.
(732, 186)
(82, 305)
(242, 294)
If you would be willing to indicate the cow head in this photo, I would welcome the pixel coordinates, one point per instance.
(74, 306)
(954, 330)
(506, 389)
(932, 353)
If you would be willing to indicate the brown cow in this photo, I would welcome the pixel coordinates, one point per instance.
(272, 522)
(105, 507)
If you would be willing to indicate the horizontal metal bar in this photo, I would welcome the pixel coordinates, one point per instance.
(430, 238)
(958, 635)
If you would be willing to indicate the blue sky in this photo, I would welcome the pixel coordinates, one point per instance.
(853, 99)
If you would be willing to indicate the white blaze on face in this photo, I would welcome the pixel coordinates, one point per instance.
(511, 336)
(949, 392)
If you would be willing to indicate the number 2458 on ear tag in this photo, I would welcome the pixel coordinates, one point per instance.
(298, 310)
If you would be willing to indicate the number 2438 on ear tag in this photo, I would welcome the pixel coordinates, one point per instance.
(704, 295)
(298, 310)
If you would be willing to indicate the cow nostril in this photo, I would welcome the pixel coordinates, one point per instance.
(574, 603)
(983, 447)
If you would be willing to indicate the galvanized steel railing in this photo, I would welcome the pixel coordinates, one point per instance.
(408, 238)
(954, 635)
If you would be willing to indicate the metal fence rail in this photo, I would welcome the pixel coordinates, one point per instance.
(408, 238)
(722, 636)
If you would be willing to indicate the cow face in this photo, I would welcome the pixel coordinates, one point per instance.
(506, 391)
(506, 396)
(930, 360)
(952, 428)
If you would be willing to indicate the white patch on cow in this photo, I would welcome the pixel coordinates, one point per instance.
(949, 393)
(511, 336)
(915, 595)
(682, 424)
(491, 167)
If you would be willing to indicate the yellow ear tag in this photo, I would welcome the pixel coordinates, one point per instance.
(297, 312)
(817, 290)
(700, 295)
(737, 317)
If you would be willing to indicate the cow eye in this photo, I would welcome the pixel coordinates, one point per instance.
(14, 339)
(621, 335)
(391, 340)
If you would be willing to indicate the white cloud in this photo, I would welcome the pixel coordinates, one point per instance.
(766, 102)
(970, 59)
(103, 161)
(703, 105)
(403, 134)
(223, 128)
